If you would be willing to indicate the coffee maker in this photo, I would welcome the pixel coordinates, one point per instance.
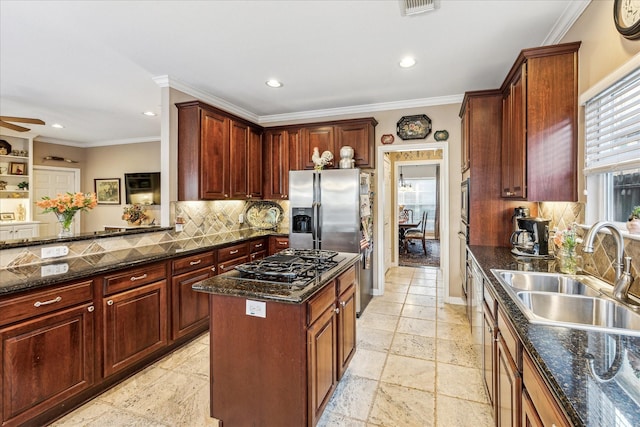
(532, 237)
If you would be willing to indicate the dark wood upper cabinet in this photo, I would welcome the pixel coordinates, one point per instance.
(359, 135)
(276, 163)
(540, 125)
(320, 137)
(219, 155)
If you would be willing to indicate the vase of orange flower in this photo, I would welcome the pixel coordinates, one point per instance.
(65, 206)
(566, 241)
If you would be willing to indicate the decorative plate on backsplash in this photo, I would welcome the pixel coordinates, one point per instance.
(264, 215)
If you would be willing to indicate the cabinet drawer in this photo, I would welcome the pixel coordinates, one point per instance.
(46, 301)
(232, 252)
(223, 267)
(346, 279)
(545, 405)
(258, 245)
(193, 262)
(134, 278)
(319, 303)
(276, 244)
(510, 338)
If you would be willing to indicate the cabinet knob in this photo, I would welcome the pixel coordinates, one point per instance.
(343, 303)
(234, 252)
(90, 309)
(134, 278)
(213, 269)
(110, 302)
(226, 195)
(337, 310)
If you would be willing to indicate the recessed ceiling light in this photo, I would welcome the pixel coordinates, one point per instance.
(273, 83)
(407, 62)
(57, 126)
(149, 113)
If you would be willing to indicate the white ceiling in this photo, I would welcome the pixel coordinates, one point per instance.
(90, 65)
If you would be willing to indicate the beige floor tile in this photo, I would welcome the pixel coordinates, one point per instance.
(426, 328)
(414, 346)
(397, 406)
(99, 414)
(425, 282)
(330, 419)
(373, 339)
(461, 382)
(353, 397)
(398, 297)
(383, 322)
(422, 290)
(367, 363)
(457, 353)
(410, 372)
(457, 412)
(426, 273)
(453, 314)
(454, 331)
(419, 312)
(384, 307)
(427, 300)
(395, 287)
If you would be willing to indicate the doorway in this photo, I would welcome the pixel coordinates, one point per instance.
(387, 219)
(50, 181)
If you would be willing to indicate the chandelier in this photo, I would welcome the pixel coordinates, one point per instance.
(404, 186)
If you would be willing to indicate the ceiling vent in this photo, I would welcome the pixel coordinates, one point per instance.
(417, 7)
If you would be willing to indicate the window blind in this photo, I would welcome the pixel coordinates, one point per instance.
(612, 127)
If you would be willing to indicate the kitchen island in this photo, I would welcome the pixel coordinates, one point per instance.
(278, 352)
(591, 377)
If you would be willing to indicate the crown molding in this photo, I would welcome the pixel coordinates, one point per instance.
(359, 109)
(98, 143)
(168, 81)
(570, 15)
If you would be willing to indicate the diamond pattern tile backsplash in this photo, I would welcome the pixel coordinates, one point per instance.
(600, 262)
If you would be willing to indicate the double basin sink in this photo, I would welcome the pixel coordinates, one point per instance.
(574, 301)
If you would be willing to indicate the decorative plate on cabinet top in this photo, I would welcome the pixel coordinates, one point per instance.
(264, 215)
(441, 135)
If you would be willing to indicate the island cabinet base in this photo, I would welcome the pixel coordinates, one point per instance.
(258, 364)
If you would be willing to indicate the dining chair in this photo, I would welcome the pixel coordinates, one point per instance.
(417, 234)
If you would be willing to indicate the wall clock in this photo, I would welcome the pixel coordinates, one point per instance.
(626, 15)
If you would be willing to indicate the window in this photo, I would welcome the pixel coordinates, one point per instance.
(418, 198)
(612, 150)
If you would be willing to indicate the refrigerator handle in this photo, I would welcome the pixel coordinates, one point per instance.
(318, 211)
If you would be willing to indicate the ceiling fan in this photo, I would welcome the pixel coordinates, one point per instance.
(4, 122)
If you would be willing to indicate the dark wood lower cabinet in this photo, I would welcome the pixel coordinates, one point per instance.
(323, 376)
(530, 416)
(190, 311)
(508, 387)
(45, 361)
(135, 325)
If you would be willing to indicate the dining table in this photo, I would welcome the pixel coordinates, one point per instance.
(402, 229)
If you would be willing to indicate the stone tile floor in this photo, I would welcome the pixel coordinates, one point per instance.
(415, 366)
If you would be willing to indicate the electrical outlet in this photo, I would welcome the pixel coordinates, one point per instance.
(54, 251)
(241, 218)
(52, 269)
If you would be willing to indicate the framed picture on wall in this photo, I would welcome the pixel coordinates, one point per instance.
(107, 190)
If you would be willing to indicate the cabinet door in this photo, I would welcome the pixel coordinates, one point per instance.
(464, 136)
(508, 387)
(346, 329)
(514, 143)
(488, 352)
(45, 360)
(277, 243)
(276, 182)
(359, 136)
(254, 164)
(321, 137)
(321, 339)
(6, 232)
(295, 151)
(214, 160)
(25, 231)
(190, 309)
(135, 325)
(530, 417)
(238, 157)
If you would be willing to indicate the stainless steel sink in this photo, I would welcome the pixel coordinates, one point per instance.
(546, 282)
(574, 301)
(583, 312)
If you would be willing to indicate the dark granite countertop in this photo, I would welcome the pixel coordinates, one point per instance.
(594, 375)
(33, 276)
(230, 284)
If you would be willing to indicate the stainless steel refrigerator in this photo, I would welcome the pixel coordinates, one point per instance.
(332, 209)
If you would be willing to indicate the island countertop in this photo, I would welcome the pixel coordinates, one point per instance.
(592, 374)
(231, 284)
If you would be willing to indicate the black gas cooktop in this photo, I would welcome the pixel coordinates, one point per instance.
(292, 267)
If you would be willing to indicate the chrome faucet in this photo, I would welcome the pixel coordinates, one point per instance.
(623, 278)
